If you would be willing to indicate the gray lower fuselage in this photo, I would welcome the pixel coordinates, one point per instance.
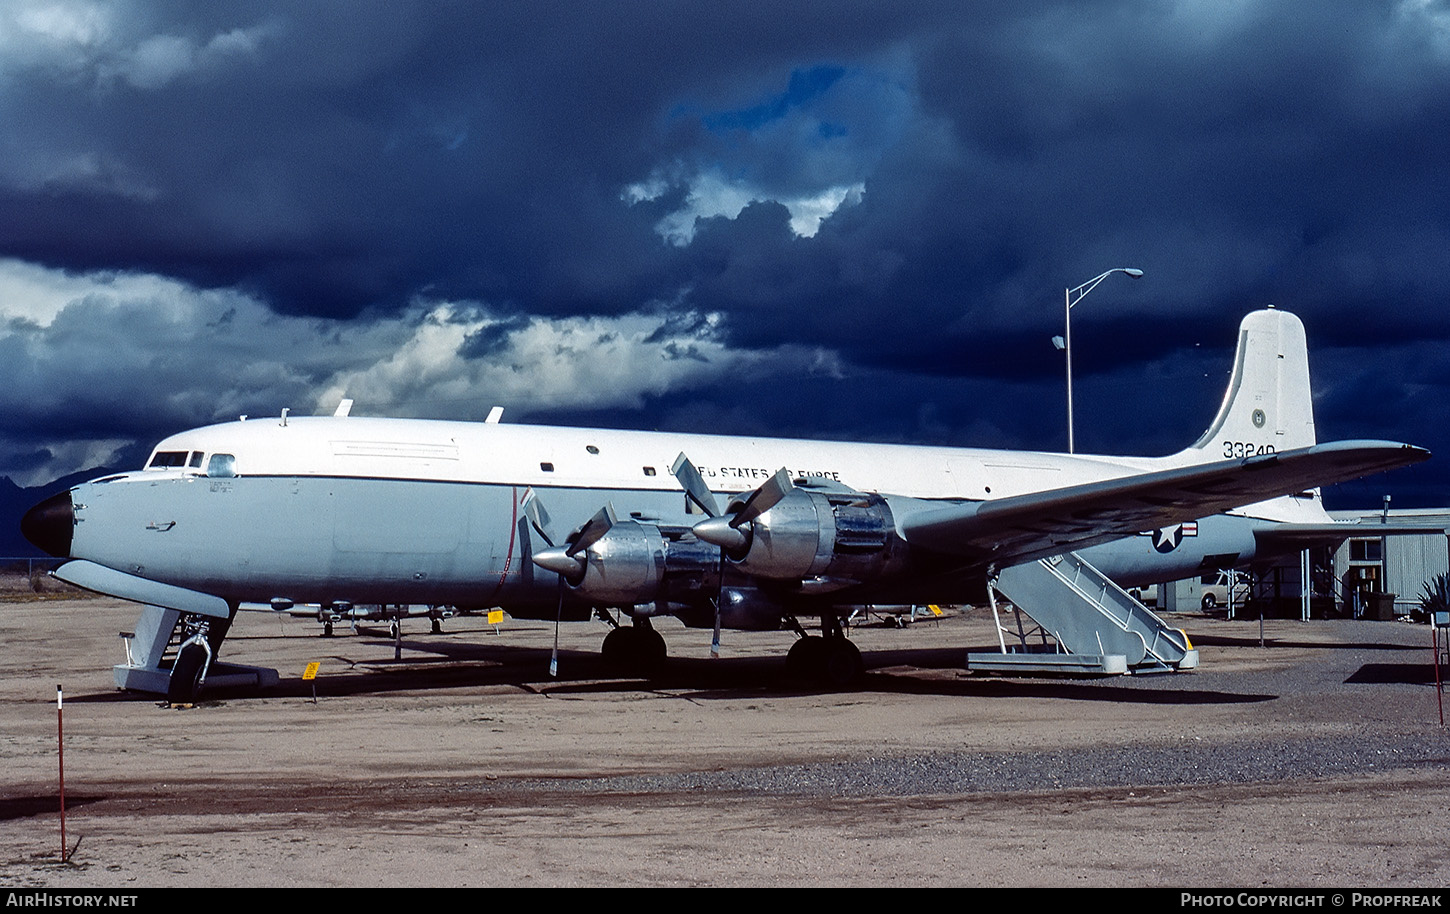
(309, 539)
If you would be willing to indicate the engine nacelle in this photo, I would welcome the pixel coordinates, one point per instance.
(743, 607)
(849, 536)
(749, 609)
(635, 563)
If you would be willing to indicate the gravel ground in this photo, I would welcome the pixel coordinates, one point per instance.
(1127, 766)
(1317, 759)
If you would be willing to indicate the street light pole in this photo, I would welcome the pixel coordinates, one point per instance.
(1068, 301)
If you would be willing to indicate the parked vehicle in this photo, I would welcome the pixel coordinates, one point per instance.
(1218, 586)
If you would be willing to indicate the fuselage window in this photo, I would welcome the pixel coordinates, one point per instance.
(649, 471)
(165, 459)
(223, 465)
(547, 467)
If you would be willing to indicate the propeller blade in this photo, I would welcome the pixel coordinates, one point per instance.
(558, 620)
(538, 517)
(694, 484)
(765, 497)
(715, 642)
(592, 531)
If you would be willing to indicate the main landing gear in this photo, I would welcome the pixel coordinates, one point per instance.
(636, 648)
(829, 658)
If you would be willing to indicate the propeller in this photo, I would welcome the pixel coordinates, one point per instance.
(700, 494)
(567, 561)
(725, 530)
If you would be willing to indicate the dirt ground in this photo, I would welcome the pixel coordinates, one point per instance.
(1317, 759)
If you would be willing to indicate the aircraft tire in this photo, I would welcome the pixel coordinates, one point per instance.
(636, 651)
(806, 658)
(185, 683)
(842, 664)
(652, 651)
(620, 647)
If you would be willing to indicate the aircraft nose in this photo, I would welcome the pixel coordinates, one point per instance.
(49, 525)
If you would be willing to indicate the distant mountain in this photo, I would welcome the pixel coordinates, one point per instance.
(16, 500)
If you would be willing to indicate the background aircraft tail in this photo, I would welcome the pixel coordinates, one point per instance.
(1268, 407)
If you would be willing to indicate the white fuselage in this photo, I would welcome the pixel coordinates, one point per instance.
(360, 510)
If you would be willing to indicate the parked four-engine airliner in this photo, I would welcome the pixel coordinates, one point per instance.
(735, 531)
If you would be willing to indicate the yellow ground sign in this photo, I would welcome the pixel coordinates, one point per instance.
(311, 671)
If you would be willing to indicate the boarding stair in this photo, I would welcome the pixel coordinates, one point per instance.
(1084, 623)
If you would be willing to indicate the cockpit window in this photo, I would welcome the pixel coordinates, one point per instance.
(222, 465)
(164, 459)
(195, 461)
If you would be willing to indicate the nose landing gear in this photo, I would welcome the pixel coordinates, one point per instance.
(193, 659)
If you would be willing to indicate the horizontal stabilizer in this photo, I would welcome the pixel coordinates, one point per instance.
(1304, 536)
(1020, 528)
(115, 583)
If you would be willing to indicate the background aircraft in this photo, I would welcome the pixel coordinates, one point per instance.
(735, 532)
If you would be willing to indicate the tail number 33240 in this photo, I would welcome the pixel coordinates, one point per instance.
(1246, 449)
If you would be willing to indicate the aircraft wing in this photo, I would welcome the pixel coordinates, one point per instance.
(1020, 528)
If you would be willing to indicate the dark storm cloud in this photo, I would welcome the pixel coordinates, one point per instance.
(883, 203)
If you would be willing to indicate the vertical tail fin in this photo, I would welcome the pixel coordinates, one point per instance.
(1268, 407)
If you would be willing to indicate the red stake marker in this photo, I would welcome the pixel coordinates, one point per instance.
(60, 745)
